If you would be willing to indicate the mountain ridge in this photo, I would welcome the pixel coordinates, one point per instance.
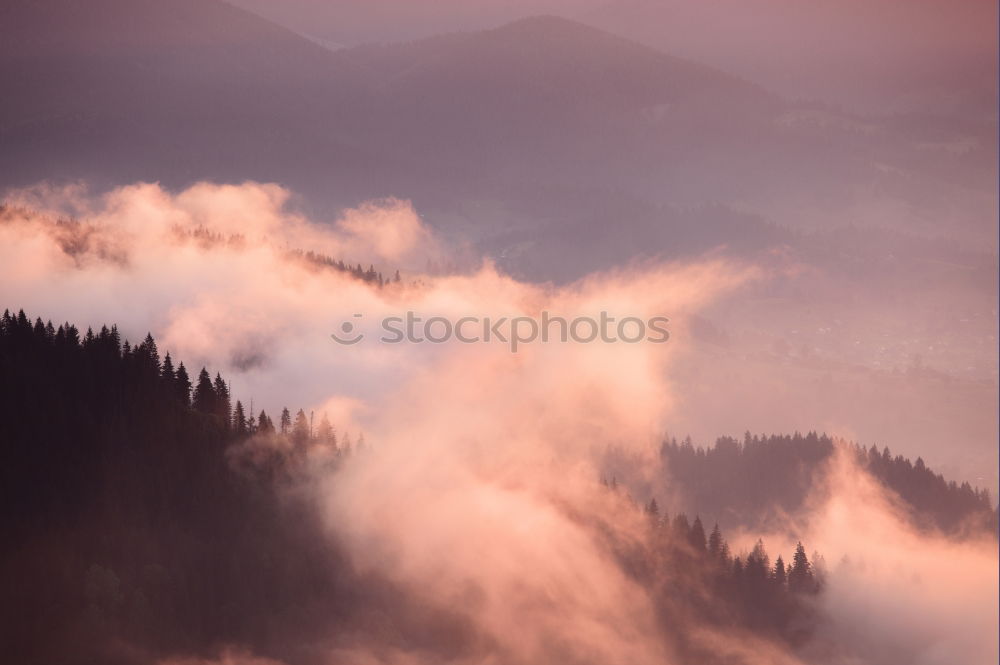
(538, 105)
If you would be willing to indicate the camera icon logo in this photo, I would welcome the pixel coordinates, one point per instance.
(347, 329)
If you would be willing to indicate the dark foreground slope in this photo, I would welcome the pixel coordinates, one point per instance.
(126, 532)
(135, 528)
(145, 517)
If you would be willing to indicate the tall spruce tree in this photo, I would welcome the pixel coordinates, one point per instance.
(239, 420)
(204, 399)
(300, 430)
(182, 385)
(325, 433)
(800, 577)
(715, 542)
(698, 535)
(223, 407)
(779, 576)
(167, 372)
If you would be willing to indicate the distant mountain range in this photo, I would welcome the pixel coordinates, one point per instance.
(507, 136)
(119, 90)
(876, 55)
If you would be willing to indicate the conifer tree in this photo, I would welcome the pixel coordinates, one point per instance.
(682, 529)
(800, 577)
(204, 394)
(223, 407)
(300, 430)
(698, 535)
(653, 512)
(167, 371)
(715, 542)
(147, 354)
(286, 421)
(779, 576)
(264, 424)
(182, 385)
(325, 432)
(239, 420)
(758, 564)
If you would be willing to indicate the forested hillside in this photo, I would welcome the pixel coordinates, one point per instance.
(146, 513)
(127, 533)
(746, 481)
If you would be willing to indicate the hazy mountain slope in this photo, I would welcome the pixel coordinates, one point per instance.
(531, 120)
(547, 113)
(113, 91)
(553, 104)
(900, 55)
(553, 95)
(353, 22)
(544, 51)
(118, 90)
(863, 54)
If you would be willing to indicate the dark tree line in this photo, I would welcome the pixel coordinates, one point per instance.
(76, 238)
(698, 580)
(134, 527)
(744, 482)
(125, 524)
(371, 275)
(934, 501)
(207, 238)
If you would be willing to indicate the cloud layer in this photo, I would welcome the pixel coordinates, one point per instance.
(481, 460)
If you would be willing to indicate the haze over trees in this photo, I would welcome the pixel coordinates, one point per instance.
(144, 508)
(753, 479)
(806, 190)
